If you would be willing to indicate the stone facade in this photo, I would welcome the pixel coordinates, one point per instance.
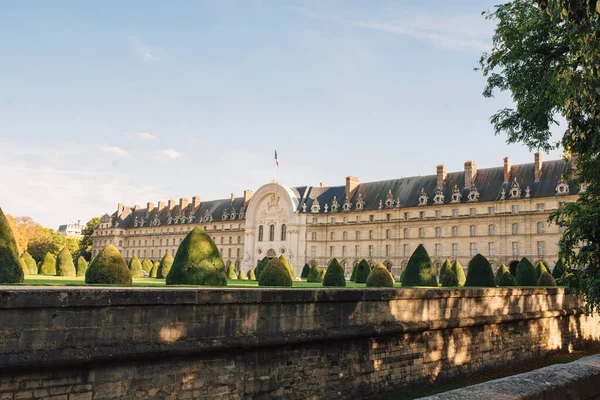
(499, 212)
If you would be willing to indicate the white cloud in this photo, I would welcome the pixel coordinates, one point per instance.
(145, 136)
(146, 52)
(116, 150)
(169, 154)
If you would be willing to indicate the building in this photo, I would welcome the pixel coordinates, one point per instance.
(500, 212)
(71, 230)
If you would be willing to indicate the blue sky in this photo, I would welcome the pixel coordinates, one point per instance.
(136, 101)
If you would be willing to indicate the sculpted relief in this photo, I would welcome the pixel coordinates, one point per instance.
(270, 210)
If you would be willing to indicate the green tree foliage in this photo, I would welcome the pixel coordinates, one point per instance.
(546, 54)
(507, 279)
(380, 277)
(30, 263)
(85, 245)
(275, 274)
(72, 244)
(154, 271)
(48, 265)
(108, 268)
(147, 266)
(458, 269)
(501, 270)
(353, 275)
(449, 279)
(23, 266)
(197, 262)
(314, 275)
(334, 276)
(165, 266)
(480, 272)
(45, 241)
(242, 276)
(323, 272)
(289, 267)
(546, 279)
(540, 268)
(64, 263)
(82, 266)
(135, 267)
(445, 266)
(362, 271)
(526, 275)
(419, 270)
(251, 275)
(261, 265)
(305, 271)
(559, 269)
(231, 275)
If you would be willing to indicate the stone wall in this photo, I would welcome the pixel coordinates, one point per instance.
(101, 343)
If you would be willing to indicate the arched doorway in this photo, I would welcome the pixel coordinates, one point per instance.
(512, 267)
(271, 253)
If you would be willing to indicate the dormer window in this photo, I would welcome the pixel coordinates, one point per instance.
(562, 188)
(456, 195)
(423, 199)
(359, 203)
(224, 216)
(473, 194)
(334, 204)
(347, 205)
(316, 207)
(389, 201)
(515, 190)
(439, 197)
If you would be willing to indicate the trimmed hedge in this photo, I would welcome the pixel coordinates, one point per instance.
(261, 266)
(289, 267)
(445, 266)
(82, 266)
(242, 276)
(135, 267)
(231, 274)
(147, 266)
(507, 279)
(323, 272)
(480, 272)
(165, 266)
(458, 269)
(362, 271)
(334, 275)
(526, 275)
(197, 262)
(275, 274)
(353, 275)
(314, 275)
(559, 269)
(305, 271)
(449, 278)
(251, 275)
(10, 264)
(546, 279)
(23, 266)
(64, 263)
(30, 263)
(380, 277)
(154, 272)
(419, 270)
(108, 268)
(501, 270)
(540, 268)
(48, 265)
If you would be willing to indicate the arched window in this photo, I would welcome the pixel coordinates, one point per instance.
(283, 232)
(271, 233)
(260, 233)
(491, 230)
(515, 229)
(473, 230)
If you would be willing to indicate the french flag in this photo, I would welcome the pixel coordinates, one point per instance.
(276, 160)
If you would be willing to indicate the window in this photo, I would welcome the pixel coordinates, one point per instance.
(370, 234)
(515, 209)
(473, 230)
(455, 230)
(473, 249)
(313, 236)
(406, 251)
(345, 220)
(230, 240)
(314, 220)
(358, 218)
(388, 217)
(357, 251)
(271, 233)
(121, 243)
(491, 230)
(387, 233)
(561, 204)
(540, 227)
(222, 240)
(229, 252)
(331, 235)
(313, 251)
(438, 250)
(438, 232)
(260, 233)
(515, 248)
(237, 253)
(491, 210)
(357, 235)
(388, 250)
(371, 218)
(541, 247)
(540, 207)
(515, 229)
(283, 232)
(492, 249)
(472, 212)
(454, 250)
(438, 214)
(330, 251)
(561, 229)
(333, 220)
(421, 214)
(343, 251)
(405, 232)
(455, 213)
(370, 251)
(406, 216)
(345, 235)
(421, 232)
(239, 239)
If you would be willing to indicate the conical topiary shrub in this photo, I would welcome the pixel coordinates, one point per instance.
(445, 266)
(458, 269)
(242, 276)
(546, 279)
(165, 266)
(147, 266)
(108, 268)
(501, 270)
(362, 271)
(480, 272)
(64, 263)
(540, 268)
(559, 269)
(507, 279)
(231, 275)
(30, 263)
(380, 277)
(526, 275)
(261, 265)
(289, 266)
(353, 275)
(449, 278)
(305, 271)
(334, 275)
(82, 266)
(275, 274)
(23, 266)
(154, 271)
(197, 262)
(314, 275)
(135, 266)
(10, 265)
(48, 266)
(419, 270)
(323, 272)
(251, 275)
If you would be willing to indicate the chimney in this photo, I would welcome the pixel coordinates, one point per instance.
(120, 208)
(136, 207)
(442, 172)
(149, 207)
(247, 195)
(321, 184)
(351, 184)
(196, 201)
(171, 204)
(506, 169)
(161, 205)
(470, 172)
(183, 203)
(537, 163)
(232, 197)
(574, 172)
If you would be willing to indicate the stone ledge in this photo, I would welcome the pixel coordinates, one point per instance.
(576, 380)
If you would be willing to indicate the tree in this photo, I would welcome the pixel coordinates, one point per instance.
(362, 271)
(135, 267)
(10, 265)
(45, 240)
(82, 266)
(526, 275)
(419, 270)
(445, 266)
(108, 268)
(30, 263)
(165, 266)
(242, 276)
(480, 272)
(48, 266)
(261, 265)
(449, 279)
(501, 270)
(314, 276)
(154, 271)
(334, 275)
(64, 263)
(289, 267)
(380, 277)
(458, 269)
(275, 274)
(251, 275)
(546, 54)
(85, 245)
(559, 269)
(231, 275)
(305, 271)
